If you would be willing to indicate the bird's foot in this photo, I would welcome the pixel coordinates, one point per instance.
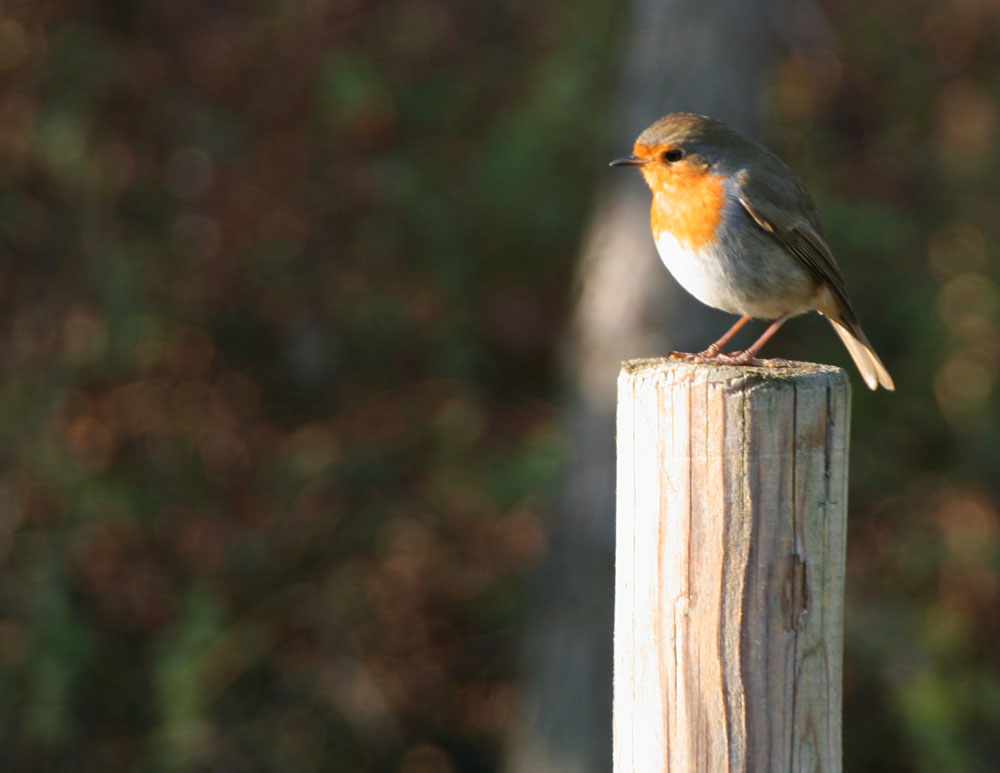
(735, 358)
(713, 357)
(698, 358)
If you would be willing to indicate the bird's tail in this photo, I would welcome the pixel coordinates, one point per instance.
(871, 367)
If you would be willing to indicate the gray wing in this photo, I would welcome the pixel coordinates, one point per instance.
(780, 205)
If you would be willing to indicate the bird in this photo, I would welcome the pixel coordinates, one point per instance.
(740, 232)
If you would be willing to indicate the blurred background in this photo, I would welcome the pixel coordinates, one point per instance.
(310, 316)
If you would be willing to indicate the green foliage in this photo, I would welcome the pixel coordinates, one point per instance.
(279, 287)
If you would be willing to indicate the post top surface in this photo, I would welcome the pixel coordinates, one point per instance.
(789, 372)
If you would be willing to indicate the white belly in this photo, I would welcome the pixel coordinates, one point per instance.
(761, 285)
(698, 272)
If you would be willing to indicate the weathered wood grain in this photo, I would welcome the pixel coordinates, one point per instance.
(731, 525)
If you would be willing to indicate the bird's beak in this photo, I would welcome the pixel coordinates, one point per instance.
(628, 161)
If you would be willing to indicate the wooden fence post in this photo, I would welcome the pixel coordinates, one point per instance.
(731, 525)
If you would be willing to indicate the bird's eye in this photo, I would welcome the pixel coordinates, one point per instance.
(674, 154)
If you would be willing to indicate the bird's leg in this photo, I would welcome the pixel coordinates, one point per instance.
(712, 352)
(714, 349)
(747, 356)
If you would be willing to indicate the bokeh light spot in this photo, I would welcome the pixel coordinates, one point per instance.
(426, 758)
(967, 121)
(963, 384)
(966, 298)
(955, 248)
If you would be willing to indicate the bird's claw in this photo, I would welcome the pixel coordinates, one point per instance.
(708, 357)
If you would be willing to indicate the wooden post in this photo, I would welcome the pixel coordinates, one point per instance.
(731, 525)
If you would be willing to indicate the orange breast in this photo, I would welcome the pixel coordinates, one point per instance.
(687, 202)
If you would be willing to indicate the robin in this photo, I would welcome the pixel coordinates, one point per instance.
(740, 232)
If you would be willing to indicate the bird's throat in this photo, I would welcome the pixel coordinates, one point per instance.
(686, 205)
